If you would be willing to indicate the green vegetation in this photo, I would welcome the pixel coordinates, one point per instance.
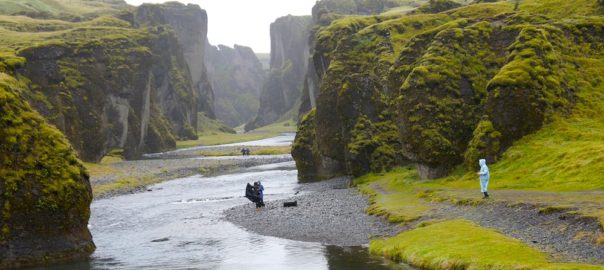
(215, 137)
(393, 196)
(459, 244)
(115, 155)
(522, 88)
(373, 147)
(123, 184)
(45, 188)
(209, 126)
(255, 151)
(457, 85)
(120, 57)
(63, 9)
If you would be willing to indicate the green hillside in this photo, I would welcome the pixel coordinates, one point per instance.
(63, 9)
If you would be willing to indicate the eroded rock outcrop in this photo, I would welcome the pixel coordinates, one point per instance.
(133, 80)
(44, 190)
(190, 25)
(457, 84)
(114, 94)
(237, 77)
(289, 59)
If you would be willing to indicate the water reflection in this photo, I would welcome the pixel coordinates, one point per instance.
(357, 258)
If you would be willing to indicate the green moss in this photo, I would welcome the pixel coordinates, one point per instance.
(484, 144)
(460, 244)
(441, 96)
(393, 195)
(304, 148)
(9, 61)
(373, 147)
(40, 173)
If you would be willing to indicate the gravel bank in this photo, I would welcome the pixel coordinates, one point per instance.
(158, 170)
(328, 212)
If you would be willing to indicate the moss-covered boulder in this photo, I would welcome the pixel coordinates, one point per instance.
(307, 156)
(374, 147)
(44, 190)
(485, 144)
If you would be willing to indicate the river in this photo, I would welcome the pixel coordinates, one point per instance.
(179, 225)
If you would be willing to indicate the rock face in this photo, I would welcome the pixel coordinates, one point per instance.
(44, 190)
(435, 89)
(289, 59)
(190, 25)
(135, 82)
(323, 13)
(115, 94)
(237, 77)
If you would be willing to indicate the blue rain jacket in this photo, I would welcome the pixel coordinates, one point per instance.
(484, 170)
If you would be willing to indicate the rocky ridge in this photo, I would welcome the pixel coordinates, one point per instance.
(289, 59)
(237, 78)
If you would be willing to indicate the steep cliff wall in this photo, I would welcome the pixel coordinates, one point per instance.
(323, 13)
(190, 24)
(44, 190)
(433, 89)
(237, 77)
(134, 82)
(114, 92)
(289, 59)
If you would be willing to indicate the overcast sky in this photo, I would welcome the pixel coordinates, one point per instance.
(244, 22)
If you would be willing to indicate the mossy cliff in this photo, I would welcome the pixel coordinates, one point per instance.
(237, 78)
(289, 58)
(44, 190)
(323, 13)
(190, 25)
(131, 80)
(464, 82)
(105, 94)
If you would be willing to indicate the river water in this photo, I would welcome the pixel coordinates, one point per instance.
(179, 225)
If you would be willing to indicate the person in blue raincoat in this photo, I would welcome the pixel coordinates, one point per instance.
(484, 177)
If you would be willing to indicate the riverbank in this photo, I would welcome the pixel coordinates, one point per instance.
(443, 222)
(558, 230)
(125, 177)
(122, 177)
(328, 212)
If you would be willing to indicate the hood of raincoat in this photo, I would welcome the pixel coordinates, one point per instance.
(482, 162)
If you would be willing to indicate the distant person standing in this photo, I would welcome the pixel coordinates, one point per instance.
(484, 177)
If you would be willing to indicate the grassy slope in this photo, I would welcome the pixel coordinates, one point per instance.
(216, 137)
(556, 167)
(60, 7)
